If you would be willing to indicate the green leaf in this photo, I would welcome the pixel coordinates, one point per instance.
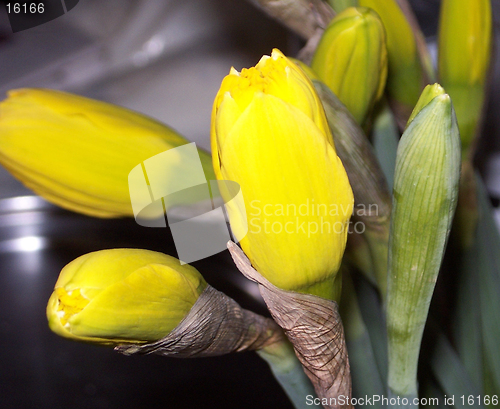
(487, 268)
(374, 319)
(451, 374)
(366, 376)
(385, 143)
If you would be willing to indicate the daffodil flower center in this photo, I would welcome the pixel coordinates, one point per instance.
(70, 303)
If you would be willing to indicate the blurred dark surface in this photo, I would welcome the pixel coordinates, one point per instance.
(41, 370)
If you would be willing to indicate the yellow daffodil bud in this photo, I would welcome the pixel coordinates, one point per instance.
(405, 78)
(77, 152)
(465, 37)
(271, 136)
(351, 59)
(122, 296)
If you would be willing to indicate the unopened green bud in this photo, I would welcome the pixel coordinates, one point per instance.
(351, 59)
(122, 296)
(465, 37)
(424, 200)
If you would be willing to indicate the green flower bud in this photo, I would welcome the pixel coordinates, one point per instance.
(122, 296)
(424, 201)
(351, 59)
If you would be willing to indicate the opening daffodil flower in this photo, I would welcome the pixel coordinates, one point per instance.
(122, 296)
(270, 135)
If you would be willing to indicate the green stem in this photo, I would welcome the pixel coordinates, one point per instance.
(366, 375)
(206, 163)
(288, 371)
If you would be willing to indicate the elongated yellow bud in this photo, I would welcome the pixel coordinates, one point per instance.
(465, 36)
(351, 59)
(270, 135)
(122, 296)
(77, 152)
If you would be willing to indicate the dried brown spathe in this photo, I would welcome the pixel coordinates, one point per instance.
(215, 325)
(313, 326)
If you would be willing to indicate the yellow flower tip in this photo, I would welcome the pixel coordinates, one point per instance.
(70, 303)
(444, 98)
(464, 60)
(122, 296)
(428, 94)
(273, 76)
(234, 71)
(405, 79)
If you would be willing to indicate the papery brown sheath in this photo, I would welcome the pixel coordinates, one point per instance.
(215, 325)
(313, 326)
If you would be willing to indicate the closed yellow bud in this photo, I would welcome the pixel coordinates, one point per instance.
(271, 136)
(122, 296)
(465, 36)
(351, 59)
(77, 152)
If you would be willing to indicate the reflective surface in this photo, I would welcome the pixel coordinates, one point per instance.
(41, 370)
